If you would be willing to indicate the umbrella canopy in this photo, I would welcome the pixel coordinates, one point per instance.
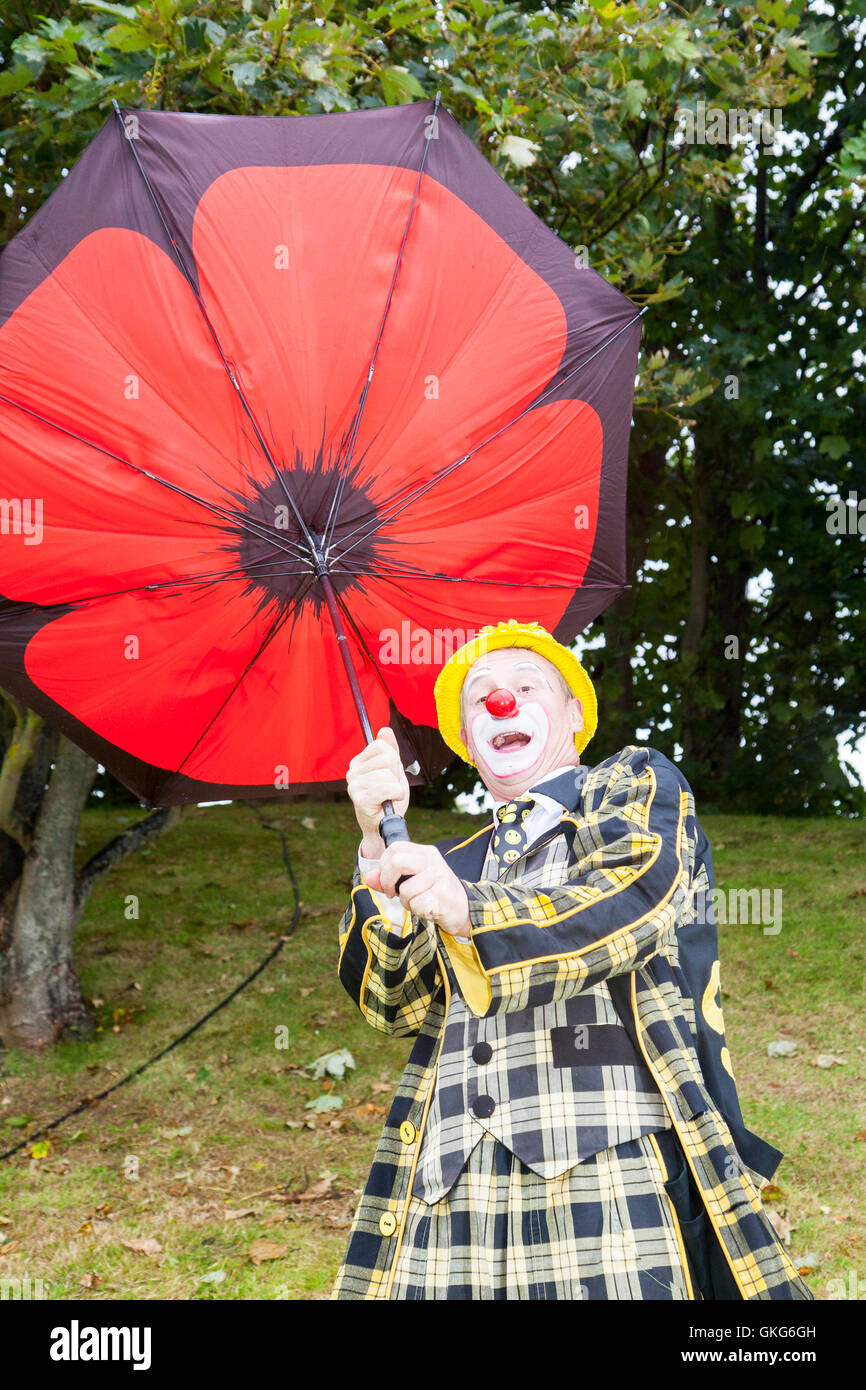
(259, 375)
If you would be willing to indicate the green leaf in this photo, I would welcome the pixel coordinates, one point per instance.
(634, 94)
(327, 1102)
(128, 38)
(245, 74)
(679, 45)
(124, 11)
(797, 59)
(833, 445)
(399, 86)
(19, 1121)
(16, 78)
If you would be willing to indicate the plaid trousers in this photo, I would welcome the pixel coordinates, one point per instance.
(604, 1230)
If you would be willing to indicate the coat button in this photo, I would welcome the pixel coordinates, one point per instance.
(408, 1132)
(481, 1053)
(388, 1223)
(483, 1107)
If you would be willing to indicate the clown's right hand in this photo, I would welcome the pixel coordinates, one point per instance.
(373, 776)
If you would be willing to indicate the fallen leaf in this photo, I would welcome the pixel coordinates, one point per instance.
(781, 1048)
(5, 1221)
(772, 1193)
(308, 822)
(304, 991)
(858, 893)
(215, 1276)
(143, 1245)
(379, 1086)
(780, 1225)
(324, 1103)
(827, 1059)
(231, 1215)
(860, 1135)
(332, 1064)
(90, 1281)
(318, 1189)
(371, 1109)
(266, 1250)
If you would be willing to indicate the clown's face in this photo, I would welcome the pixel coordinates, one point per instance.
(513, 750)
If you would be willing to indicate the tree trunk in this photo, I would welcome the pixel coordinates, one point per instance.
(40, 994)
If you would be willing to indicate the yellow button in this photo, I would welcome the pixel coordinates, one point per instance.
(388, 1223)
(408, 1132)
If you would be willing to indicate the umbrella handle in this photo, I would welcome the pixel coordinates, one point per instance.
(393, 828)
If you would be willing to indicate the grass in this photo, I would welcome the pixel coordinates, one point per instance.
(213, 1149)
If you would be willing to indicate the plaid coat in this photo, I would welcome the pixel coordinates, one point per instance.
(617, 908)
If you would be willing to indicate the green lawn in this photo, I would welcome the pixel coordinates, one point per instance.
(213, 1150)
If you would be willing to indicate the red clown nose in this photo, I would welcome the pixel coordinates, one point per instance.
(500, 703)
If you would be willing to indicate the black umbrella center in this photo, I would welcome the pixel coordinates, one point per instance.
(277, 529)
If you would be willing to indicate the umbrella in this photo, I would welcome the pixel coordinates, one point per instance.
(290, 408)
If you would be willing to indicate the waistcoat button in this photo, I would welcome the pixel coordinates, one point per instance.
(483, 1107)
(482, 1052)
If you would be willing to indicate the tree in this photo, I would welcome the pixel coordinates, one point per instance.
(580, 107)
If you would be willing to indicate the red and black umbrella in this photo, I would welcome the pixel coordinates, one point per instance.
(283, 398)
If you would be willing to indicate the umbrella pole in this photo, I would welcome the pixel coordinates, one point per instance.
(391, 827)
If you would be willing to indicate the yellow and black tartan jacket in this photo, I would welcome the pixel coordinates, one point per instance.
(619, 908)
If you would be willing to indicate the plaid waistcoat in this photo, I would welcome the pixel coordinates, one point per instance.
(555, 1084)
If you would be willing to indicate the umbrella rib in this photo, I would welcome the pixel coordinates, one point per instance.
(445, 472)
(199, 301)
(331, 522)
(246, 524)
(191, 579)
(416, 572)
(278, 623)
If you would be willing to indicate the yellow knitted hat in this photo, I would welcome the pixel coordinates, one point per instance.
(449, 682)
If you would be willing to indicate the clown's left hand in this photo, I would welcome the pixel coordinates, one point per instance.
(432, 889)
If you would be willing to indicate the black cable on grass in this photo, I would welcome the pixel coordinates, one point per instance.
(93, 1100)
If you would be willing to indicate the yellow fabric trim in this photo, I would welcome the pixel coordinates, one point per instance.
(408, 1197)
(674, 1117)
(474, 984)
(382, 903)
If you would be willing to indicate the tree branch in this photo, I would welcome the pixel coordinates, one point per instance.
(145, 830)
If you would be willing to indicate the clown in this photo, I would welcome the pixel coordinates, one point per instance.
(567, 1125)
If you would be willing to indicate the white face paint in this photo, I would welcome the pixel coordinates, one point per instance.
(531, 719)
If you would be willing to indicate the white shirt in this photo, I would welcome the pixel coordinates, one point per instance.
(545, 814)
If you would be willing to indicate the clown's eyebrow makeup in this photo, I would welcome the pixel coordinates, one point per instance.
(530, 665)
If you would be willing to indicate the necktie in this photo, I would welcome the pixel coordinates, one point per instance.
(509, 837)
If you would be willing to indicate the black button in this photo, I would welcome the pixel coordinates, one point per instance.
(483, 1107)
(481, 1053)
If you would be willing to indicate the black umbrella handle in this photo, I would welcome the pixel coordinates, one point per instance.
(393, 829)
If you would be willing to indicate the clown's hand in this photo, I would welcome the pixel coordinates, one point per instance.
(431, 888)
(373, 776)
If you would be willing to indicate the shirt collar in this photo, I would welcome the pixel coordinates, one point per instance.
(539, 796)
